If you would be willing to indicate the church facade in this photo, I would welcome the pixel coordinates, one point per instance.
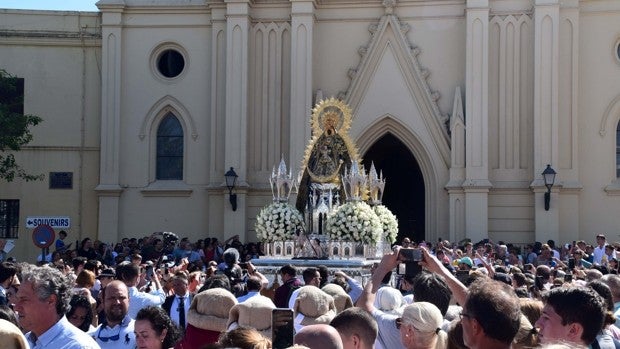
(463, 103)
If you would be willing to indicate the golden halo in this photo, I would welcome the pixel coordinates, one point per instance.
(331, 109)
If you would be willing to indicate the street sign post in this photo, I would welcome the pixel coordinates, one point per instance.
(43, 237)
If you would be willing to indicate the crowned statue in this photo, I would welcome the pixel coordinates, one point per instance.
(331, 217)
(329, 153)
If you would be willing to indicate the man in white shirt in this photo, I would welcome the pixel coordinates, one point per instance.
(118, 329)
(42, 301)
(129, 273)
(599, 250)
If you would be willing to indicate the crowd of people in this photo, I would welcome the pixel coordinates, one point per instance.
(165, 292)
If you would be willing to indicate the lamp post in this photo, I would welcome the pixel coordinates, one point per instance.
(231, 179)
(549, 178)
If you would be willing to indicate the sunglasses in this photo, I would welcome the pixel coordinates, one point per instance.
(113, 338)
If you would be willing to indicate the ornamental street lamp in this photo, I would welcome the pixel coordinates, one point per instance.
(231, 179)
(549, 177)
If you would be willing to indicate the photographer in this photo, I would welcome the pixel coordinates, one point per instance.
(130, 274)
(388, 335)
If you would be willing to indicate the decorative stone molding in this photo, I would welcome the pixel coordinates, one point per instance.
(391, 32)
(163, 106)
(610, 112)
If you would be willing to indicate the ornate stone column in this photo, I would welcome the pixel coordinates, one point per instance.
(477, 184)
(109, 189)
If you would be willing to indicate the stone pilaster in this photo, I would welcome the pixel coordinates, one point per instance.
(109, 189)
(235, 144)
(546, 58)
(302, 25)
(476, 185)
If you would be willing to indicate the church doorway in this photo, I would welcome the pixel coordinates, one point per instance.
(404, 188)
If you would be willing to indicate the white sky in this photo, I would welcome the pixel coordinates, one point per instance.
(64, 5)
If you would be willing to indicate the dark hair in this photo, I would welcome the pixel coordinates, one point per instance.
(7, 270)
(520, 279)
(356, 322)
(8, 314)
(309, 274)
(432, 288)
(324, 272)
(605, 292)
(244, 338)
(288, 270)
(159, 321)
(78, 301)
(127, 272)
(254, 283)
(572, 303)
(495, 307)
(77, 261)
(215, 281)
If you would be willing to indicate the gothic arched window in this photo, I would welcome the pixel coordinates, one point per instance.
(169, 149)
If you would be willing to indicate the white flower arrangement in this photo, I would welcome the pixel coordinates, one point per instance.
(354, 221)
(278, 222)
(389, 223)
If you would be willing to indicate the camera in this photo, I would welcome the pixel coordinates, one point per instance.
(170, 237)
(149, 272)
(410, 258)
(410, 255)
(282, 328)
(571, 264)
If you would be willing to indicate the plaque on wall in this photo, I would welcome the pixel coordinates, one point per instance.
(61, 180)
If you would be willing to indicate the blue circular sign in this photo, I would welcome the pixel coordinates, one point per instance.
(43, 236)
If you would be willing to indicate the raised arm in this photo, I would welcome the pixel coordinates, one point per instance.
(388, 262)
(430, 262)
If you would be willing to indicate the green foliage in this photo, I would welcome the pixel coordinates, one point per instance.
(14, 129)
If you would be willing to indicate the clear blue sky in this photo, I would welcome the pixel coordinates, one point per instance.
(64, 5)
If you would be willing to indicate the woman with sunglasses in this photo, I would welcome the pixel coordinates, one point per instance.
(420, 327)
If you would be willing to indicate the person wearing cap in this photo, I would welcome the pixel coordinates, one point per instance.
(420, 327)
(388, 335)
(599, 250)
(105, 277)
(465, 263)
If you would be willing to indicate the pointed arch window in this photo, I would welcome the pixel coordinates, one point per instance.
(169, 149)
(618, 150)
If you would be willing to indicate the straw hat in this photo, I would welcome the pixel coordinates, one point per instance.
(254, 312)
(11, 337)
(316, 306)
(342, 300)
(424, 316)
(210, 308)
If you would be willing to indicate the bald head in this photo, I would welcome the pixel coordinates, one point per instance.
(319, 337)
